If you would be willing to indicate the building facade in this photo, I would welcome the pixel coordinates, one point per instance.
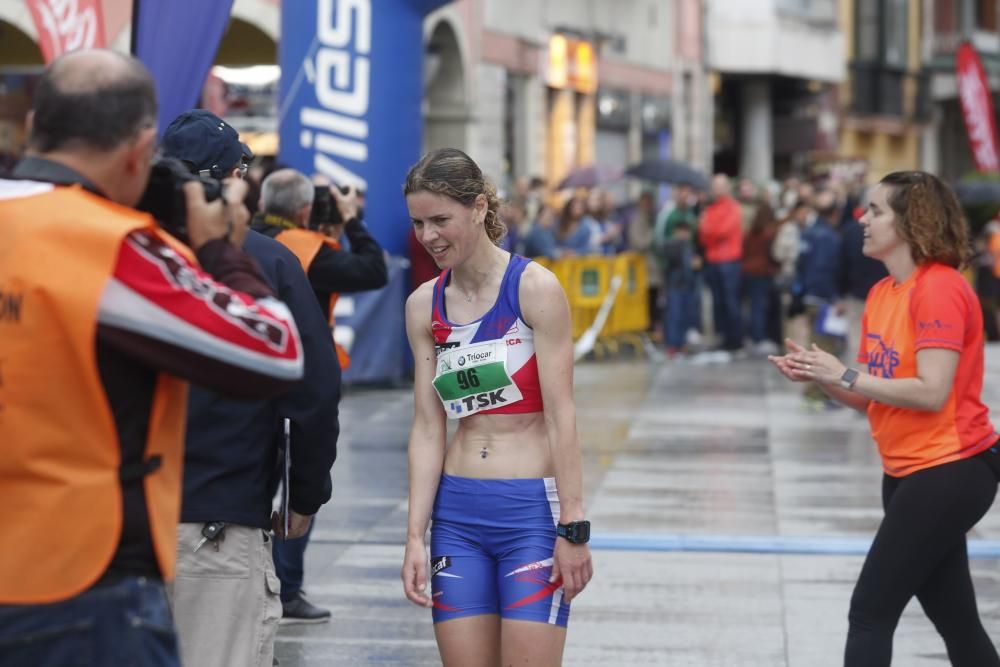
(529, 88)
(537, 88)
(947, 24)
(777, 66)
(885, 101)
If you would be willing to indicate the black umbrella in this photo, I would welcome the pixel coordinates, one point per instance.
(978, 193)
(665, 170)
(590, 176)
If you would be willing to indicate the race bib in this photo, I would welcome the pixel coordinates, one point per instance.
(474, 378)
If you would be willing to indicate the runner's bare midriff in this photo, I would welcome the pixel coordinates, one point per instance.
(515, 446)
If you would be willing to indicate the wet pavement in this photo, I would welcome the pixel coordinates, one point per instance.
(721, 510)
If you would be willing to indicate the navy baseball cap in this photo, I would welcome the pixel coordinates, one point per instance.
(205, 141)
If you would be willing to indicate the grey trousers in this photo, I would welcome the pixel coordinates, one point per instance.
(225, 600)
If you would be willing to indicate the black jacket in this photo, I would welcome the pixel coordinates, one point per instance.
(859, 273)
(360, 268)
(232, 461)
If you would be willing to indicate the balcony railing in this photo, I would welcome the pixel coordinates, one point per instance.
(944, 44)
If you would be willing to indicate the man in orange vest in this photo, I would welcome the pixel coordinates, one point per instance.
(225, 598)
(104, 318)
(286, 204)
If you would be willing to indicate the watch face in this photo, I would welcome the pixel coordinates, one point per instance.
(577, 532)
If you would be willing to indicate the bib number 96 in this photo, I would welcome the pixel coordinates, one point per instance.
(467, 379)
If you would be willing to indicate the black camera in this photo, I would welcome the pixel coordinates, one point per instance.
(324, 208)
(164, 196)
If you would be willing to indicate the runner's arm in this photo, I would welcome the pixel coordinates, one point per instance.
(546, 310)
(426, 446)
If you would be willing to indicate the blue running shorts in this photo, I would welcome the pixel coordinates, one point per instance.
(491, 550)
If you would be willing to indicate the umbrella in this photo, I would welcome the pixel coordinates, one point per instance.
(590, 176)
(977, 193)
(668, 171)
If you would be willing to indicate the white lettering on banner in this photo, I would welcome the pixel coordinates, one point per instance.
(69, 28)
(972, 94)
(342, 83)
(338, 33)
(344, 334)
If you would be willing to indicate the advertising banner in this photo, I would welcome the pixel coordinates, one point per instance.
(371, 326)
(67, 25)
(349, 108)
(350, 99)
(177, 41)
(977, 108)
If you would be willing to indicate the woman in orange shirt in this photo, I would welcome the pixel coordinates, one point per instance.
(922, 348)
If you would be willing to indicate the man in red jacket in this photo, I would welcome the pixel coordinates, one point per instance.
(721, 237)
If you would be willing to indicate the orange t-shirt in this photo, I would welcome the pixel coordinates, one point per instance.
(933, 308)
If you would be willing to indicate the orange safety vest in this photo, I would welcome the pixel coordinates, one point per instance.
(993, 247)
(305, 245)
(59, 448)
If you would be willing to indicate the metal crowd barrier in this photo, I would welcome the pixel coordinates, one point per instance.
(588, 284)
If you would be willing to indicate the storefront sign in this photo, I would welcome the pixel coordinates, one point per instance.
(571, 64)
(977, 108)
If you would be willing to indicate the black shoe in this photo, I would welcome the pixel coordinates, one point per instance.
(300, 610)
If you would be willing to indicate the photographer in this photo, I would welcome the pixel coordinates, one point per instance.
(289, 203)
(295, 219)
(225, 598)
(113, 315)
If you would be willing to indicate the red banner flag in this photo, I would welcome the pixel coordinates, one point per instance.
(67, 25)
(977, 108)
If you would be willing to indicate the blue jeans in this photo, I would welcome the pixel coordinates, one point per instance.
(681, 304)
(126, 623)
(724, 282)
(289, 563)
(758, 290)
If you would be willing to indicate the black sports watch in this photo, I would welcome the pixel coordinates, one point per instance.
(577, 532)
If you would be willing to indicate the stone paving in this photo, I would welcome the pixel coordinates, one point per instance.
(719, 451)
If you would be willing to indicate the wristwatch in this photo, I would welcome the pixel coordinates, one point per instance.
(577, 532)
(848, 379)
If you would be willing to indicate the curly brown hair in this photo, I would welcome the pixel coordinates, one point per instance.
(451, 173)
(929, 218)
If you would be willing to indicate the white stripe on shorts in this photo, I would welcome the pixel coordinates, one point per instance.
(553, 497)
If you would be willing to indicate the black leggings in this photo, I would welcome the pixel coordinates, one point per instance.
(920, 550)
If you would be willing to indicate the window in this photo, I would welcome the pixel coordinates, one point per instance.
(866, 32)
(824, 11)
(881, 31)
(986, 15)
(896, 32)
(879, 69)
